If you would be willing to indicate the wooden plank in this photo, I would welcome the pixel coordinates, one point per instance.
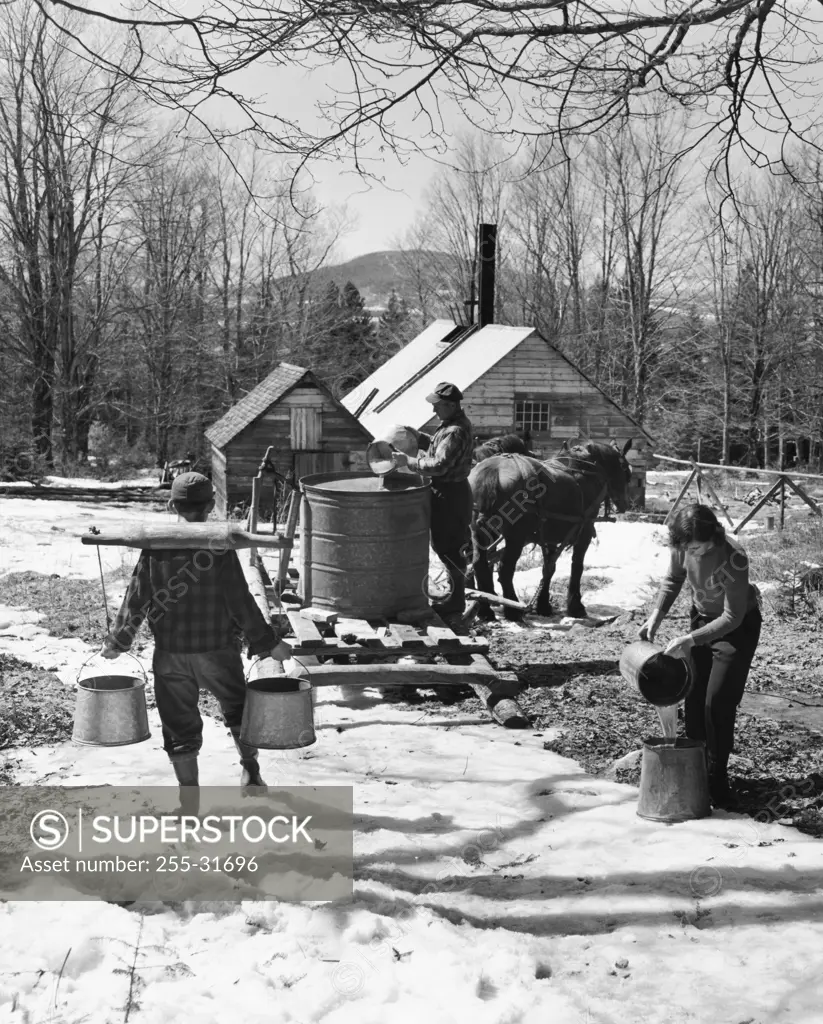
(447, 640)
(409, 637)
(360, 629)
(391, 644)
(496, 599)
(213, 537)
(443, 636)
(307, 634)
(391, 648)
(405, 675)
(738, 469)
(322, 615)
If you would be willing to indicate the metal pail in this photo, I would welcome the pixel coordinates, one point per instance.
(674, 783)
(661, 678)
(110, 710)
(379, 458)
(278, 713)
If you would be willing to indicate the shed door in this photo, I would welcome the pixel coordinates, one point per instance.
(306, 428)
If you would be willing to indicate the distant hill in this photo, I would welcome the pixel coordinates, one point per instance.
(376, 274)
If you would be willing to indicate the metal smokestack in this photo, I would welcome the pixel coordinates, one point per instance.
(486, 260)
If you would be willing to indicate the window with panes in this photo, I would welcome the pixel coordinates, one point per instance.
(531, 416)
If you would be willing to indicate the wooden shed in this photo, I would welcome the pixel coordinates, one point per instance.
(513, 380)
(291, 410)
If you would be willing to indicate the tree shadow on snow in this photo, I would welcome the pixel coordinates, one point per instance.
(677, 886)
(546, 795)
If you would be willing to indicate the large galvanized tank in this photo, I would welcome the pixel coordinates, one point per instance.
(364, 544)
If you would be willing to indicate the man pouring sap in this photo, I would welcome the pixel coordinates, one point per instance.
(448, 461)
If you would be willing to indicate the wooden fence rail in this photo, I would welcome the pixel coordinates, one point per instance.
(783, 481)
(737, 469)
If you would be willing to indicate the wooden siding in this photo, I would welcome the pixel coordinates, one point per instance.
(341, 443)
(218, 480)
(535, 371)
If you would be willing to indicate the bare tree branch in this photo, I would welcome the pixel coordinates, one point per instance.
(531, 68)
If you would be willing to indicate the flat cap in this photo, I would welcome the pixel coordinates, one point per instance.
(445, 392)
(192, 487)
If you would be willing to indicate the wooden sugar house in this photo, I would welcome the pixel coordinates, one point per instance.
(513, 381)
(295, 414)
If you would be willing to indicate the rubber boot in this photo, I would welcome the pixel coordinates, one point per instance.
(188, 779)
(720, 790)
(250, 776)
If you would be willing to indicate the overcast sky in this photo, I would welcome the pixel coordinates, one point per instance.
(381, 212)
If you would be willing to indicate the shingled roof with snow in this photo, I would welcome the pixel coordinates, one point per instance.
(282, 379)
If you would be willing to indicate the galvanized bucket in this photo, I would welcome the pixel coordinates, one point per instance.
(110, 710)
(278, 714)
(661, 678)
(394, 438)
(674, 783)
(379, 458)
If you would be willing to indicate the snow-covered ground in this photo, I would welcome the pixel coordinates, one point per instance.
(495, 882)
(630, 556)
(148, 479)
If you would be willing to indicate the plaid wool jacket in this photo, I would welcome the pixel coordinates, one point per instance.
(449, 450)
(194, 600)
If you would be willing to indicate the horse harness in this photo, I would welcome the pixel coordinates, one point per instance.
(586, 514)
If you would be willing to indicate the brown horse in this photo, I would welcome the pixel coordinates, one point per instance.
(553, 504)
(505, 444)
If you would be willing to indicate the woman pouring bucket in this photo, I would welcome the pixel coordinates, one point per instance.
(725, 629)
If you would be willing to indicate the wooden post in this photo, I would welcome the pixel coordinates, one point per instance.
(713, 495)
(285, 555)
(679, 497)
(304, 589)
(253, 512)
(782, 501)
(770, 493)
(804, 497)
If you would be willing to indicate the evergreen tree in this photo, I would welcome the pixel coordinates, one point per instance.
(356, 340)
(357, 322)
(394, 330)
(341, 335)
(396, 318)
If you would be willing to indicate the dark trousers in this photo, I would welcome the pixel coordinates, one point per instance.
(451, 517)
(720, 672)
(178, 679)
